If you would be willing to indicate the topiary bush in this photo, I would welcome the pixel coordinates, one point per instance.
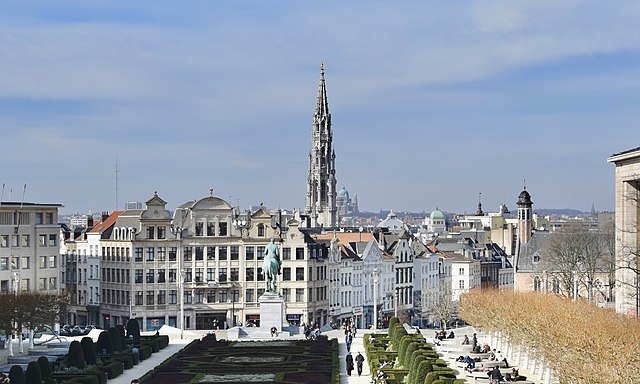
(133, 328)
(33, 375)
(115, 339)
(416, 359)
(123, 335)
(88, 350)
(411, 347)
(424, 368)
(104, 343)
(75, 357)
(16, 375)
(404, 343)
(393, 321)
(45, 370)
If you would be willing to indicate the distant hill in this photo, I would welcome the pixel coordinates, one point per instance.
(559, 212)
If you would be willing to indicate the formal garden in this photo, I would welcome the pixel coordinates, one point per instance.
(89, 362)
(406, 358)
(220, 361)
(580, 342)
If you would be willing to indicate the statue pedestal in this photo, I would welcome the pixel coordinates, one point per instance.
(271, 311)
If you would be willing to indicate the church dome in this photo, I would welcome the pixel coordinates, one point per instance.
(391, 222)
(437, 214)
(343, 192)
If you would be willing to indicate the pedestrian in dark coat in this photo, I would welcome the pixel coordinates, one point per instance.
(349, 361)
(359, 361)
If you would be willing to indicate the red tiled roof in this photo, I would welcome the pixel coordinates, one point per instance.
(101, 227)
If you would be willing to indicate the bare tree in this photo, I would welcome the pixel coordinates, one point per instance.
(443, 307)
(608, 244)
(576, 252)
(563, 258)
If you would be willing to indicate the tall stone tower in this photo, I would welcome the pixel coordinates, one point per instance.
(321, 181)
(525, 216)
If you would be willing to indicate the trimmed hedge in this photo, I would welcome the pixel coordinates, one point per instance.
(33, 375)
(133, 329)
(113, 369)
(45, 370)
(104, 343)
(16, 375)
(75, 357)
(88, 350)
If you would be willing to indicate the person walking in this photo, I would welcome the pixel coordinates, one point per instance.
(348, 341)
(359, 361)
(349, 361)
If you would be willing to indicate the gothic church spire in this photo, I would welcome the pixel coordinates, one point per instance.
(321, 181)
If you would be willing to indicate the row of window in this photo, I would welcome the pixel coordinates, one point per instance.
(7, 285)
(22, 262)
(24, 218)
(197, 253)
(25, 240)
(44, 284)
(150, 276)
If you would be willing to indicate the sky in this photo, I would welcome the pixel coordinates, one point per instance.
(432, 102)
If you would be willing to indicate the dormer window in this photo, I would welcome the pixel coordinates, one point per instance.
(260, 230)
(151, 232)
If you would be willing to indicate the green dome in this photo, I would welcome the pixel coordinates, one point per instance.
(437, 214)
(343, 192)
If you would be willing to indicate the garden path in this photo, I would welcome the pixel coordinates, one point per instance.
(356, 346)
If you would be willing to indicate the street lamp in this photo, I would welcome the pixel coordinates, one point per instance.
(375, 299)
(181, 294)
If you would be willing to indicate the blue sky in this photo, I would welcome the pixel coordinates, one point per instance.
(432, 102)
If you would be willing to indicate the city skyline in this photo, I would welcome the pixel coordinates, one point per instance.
(431, 103)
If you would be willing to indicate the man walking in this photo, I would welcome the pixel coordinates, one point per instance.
(359, 361)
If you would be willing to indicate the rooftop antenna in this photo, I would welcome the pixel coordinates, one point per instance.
(117, 171)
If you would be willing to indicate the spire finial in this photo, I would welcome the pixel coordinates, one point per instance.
(524, 183)
(322, 69)
(210, 191)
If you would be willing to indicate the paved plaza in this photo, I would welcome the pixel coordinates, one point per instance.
(176, 344)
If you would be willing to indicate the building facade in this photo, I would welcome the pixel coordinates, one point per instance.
(627, 227)
(29, 247)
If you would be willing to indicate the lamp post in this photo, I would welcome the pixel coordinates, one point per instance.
(375, 299)
(181, 301)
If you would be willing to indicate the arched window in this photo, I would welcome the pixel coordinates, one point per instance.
(536, 284)
(556, 286)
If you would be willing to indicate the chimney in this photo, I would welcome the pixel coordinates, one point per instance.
(105, 216)
(89, 221)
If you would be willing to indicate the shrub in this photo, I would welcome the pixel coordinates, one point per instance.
(89, 350)
(104, 343)
(122, 333)
(75, 358)
(424, 368)
(416, 359)
(115, 339)
(45, 370)
(33, 375)
(393, 321)
(404, 343)
(431, 377)
(408, 353)
(16, 375)
(133, 328)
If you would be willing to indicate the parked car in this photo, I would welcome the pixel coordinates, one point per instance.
(77, 331)
(90, 327)
(65, 330)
